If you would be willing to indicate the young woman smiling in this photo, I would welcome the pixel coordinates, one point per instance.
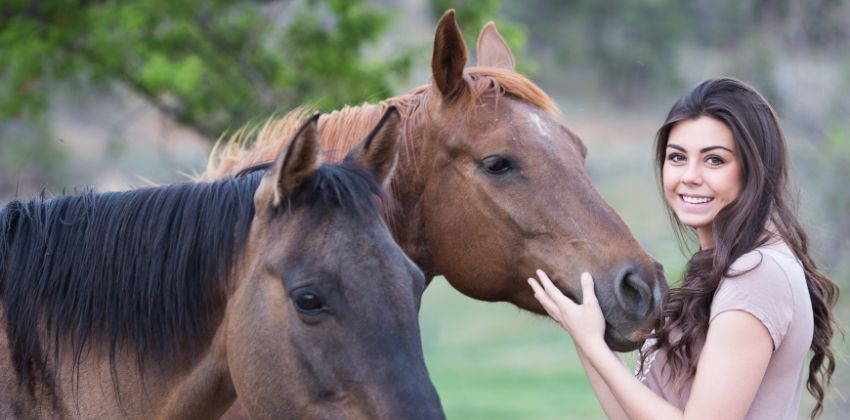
(732, 340)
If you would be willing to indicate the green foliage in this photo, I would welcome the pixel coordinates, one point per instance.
(829, 170)
(635, 46)
(340, 72)
(631, 46)
(212, 65)
(28, 166)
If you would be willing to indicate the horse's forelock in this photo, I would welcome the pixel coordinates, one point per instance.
(490, 80)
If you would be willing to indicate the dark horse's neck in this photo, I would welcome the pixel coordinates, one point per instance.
(143, 269)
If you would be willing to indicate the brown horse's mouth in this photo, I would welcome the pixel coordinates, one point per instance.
(614, 338)
(618, 341)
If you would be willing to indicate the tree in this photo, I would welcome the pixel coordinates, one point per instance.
(212, 65)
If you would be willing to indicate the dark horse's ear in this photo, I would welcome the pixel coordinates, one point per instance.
(379, 151)
(300, 160)
(449, 57)
(492, 50)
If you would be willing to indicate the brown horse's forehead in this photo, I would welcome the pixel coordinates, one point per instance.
(504, 124)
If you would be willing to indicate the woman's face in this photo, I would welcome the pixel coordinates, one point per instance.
(701, 173)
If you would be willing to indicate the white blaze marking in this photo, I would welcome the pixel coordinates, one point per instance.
(539, 123)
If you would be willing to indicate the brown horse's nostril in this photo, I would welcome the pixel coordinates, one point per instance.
(633, 292)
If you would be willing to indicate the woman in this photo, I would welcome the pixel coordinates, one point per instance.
(732, 341)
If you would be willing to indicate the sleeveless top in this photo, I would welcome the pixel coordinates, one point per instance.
(775, 292)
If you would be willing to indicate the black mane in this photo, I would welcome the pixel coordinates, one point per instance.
(142, 268)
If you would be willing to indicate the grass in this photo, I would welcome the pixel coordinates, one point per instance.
(493, 361)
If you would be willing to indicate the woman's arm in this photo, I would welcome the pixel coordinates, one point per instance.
(731, 366)
(606, 399)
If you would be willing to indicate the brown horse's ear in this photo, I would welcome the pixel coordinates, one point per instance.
(300, 160)
(492, 50)
(379, 152)
(449, 56)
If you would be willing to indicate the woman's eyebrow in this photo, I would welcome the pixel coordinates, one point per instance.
(703, 150)
(710, 148)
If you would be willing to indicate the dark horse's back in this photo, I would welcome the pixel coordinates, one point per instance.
(10, 405)
(94, 285)
(7, 382)
(15, 402)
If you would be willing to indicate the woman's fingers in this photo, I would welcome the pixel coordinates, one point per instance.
(588, 294)
(547, 284)
(553, 291)
(584, 321)
(539, 293)
(544, 299)
(548, 304)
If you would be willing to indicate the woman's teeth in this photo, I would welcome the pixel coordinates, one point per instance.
(696, 200)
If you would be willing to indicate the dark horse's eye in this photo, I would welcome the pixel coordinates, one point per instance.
(496, 164)
(308, 303)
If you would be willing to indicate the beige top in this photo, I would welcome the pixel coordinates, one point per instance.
(775, 292)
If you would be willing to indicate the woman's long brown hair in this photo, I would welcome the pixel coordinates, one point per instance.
(739, 228)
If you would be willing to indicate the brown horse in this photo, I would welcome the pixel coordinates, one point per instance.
(490, 186)
(283, 286)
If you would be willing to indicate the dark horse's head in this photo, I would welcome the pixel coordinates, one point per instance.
(326, 294)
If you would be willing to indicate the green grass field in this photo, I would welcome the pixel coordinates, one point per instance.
(493, 361)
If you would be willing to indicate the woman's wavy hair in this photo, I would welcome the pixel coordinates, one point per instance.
(739, 228)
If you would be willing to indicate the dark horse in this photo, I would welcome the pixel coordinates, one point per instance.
(282, 284)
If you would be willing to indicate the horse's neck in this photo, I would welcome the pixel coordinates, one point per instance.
(343, 130)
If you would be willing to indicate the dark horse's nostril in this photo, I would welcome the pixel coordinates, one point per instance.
(633, 292)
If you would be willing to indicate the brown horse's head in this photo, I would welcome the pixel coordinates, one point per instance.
(323, 323)
(506, 191)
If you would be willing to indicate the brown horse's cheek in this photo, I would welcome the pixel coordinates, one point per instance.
(466, 251)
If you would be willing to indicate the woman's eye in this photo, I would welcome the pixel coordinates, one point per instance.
(675, 158)
(496, 165)
(714, 161)
(308, 303)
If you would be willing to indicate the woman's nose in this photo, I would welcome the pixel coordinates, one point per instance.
(692, 174)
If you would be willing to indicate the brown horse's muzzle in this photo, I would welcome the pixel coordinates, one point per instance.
(636, 301)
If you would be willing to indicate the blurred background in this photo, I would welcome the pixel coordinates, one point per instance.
(119, 94)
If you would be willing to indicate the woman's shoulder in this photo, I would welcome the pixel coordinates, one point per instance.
(768, 262)
(765, 273)
(764, 282)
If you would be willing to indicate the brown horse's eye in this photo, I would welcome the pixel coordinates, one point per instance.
(496, 165)
(308, 303)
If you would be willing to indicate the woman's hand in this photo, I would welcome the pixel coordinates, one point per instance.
(584, 322)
